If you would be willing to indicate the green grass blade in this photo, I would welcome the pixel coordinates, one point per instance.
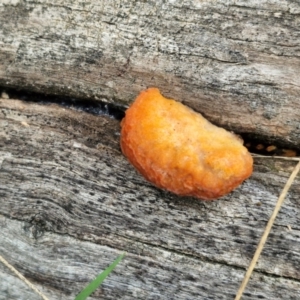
(99, 279)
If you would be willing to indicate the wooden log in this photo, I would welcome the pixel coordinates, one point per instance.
(70, 203)
(236, 62)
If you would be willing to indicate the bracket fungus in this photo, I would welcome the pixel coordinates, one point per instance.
(177, 149)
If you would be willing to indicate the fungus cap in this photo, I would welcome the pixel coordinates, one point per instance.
(177, 149)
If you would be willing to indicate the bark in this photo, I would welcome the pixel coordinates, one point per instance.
(234, 61)
(70, 203)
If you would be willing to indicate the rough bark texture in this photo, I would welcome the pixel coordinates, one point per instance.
(235, 61)
(70, 203)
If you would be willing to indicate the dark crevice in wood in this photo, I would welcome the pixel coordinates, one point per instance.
(91, 106)
(265, 146)
(254, 142)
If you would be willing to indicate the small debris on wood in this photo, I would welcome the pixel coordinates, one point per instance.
(4, 95)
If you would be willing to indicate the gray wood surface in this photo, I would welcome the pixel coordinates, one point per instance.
(71, 203)
(235, 61)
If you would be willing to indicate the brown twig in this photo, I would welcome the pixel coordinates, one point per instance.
(6, 263)
(267, 231)
(296, 158)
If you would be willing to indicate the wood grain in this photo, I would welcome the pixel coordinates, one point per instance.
(70, 203)
(236, 62)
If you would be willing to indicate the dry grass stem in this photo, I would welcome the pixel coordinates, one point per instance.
(277, 157)
(6, 263)
(267, 231)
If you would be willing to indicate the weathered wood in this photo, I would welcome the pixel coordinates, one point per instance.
(237, 62)
(70, 203)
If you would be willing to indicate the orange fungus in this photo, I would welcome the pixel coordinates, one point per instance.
(178, 150)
